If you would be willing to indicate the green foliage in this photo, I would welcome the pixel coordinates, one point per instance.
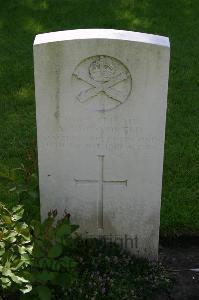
(51, 262)
(23, 184)
(39, 258)
(27, 183)
(15, 250)
(53, 269)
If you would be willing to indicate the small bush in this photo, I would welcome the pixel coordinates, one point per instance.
(52, 269)
(34, 258)
(15, 251)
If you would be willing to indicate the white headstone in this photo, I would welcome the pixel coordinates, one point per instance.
(101, 98)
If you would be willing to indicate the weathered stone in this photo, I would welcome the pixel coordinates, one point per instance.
(101, 99)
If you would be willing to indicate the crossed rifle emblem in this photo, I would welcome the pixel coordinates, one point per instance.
(106, 87)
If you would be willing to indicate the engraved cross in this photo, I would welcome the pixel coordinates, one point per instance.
(101, 182)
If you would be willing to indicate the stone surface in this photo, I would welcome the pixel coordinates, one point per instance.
(101, 98)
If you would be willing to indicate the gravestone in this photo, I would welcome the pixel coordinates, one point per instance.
(101, 98)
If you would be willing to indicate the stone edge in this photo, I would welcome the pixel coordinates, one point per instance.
(81, 34)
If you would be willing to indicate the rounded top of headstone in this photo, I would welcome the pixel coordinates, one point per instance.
(79, 34)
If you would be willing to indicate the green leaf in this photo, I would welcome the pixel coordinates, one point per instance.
(44, 292)
(2, 248)
(10, 233)
(38, 252)
(13, 189)
(63, 230)
(55, 251)
(2, 251)
(7, 272)
(11, 239)
(74, 227)
(17, 264)
(5, 279)
(6, 282)
(45, 276)
(26, 289)
(29, 249)
(22, 249)
(18, 215)
(17, 208)
(23, 230)
(17, 279)
(7, 219)
(7, 264)
(26, 258)
(55, 265)
(25, 250)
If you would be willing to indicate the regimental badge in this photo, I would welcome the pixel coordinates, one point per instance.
(102, 81)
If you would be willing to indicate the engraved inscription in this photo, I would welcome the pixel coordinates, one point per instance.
(103, 81)
(101, 183)
(104, 135)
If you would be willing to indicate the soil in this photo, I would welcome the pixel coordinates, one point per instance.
(178, 257)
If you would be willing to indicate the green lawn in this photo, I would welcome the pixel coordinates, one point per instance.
(21, 20)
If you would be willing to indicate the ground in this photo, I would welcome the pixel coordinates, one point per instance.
(178, 257)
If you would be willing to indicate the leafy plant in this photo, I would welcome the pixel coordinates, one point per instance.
(24, 185)
(53, 268)
(15, 250)
(26, 182)
(48, 263)
(35, 259)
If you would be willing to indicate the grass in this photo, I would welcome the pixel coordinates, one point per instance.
(21, 20)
